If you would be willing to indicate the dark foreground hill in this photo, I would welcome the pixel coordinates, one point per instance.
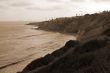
(89, 54)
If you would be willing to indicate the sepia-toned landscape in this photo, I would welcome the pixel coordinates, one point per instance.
(54, 36)
(89, 53)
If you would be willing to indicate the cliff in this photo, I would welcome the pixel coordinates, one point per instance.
(89, 54)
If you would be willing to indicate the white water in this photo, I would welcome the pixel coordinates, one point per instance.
(19, 45)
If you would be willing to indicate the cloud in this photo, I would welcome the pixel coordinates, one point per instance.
(21, 4)
(38, 4)
(65, 0)
(102, 0)
(4, 5)
(44, 9)
(15, 3)
(2, 0)
(1, 6)
(54, 0)
(48, 5)
(78, 0)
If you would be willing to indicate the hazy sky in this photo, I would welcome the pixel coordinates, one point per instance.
(37, 10)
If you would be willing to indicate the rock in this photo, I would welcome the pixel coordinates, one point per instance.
(49, 57)
(91, 54)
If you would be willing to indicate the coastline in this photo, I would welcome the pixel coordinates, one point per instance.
(23, 44)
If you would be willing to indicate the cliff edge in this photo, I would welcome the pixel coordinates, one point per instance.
(90, 53)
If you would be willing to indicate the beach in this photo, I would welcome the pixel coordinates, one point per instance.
(20, 44)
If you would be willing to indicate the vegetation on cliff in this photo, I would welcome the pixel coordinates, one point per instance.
(89, 54)
(75, 24)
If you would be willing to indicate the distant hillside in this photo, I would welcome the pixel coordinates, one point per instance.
(89, 54)
(75, 24)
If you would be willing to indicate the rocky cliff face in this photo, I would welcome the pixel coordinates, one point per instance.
(89, 54)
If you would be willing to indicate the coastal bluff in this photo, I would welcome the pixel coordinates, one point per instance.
(90, 53)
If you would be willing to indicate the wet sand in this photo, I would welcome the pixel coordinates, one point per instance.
(19, 45)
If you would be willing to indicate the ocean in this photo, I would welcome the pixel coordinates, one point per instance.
(20, 44)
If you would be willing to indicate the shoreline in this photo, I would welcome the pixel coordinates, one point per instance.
(22, 43)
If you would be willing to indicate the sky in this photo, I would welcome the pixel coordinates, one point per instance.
(40, 10)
